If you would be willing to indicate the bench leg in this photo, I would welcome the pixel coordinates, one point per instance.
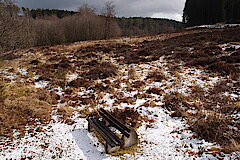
(90, 129)
(131, 140)
(110, 149)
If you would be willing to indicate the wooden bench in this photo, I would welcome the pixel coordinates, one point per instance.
(113, 142)
(129, 137)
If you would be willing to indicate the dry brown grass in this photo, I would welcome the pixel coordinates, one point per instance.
(212, 123)
(138, 84)
(224, 68)
(80, 82)
(155, 91)
(175, 102)
(101, 71)
(198, 49)
(65, 114)
(149, 104)
(202, 61)
(197, 92)
(129, 150)
(54, 70)
(87, 111)
(156, 76)
(214, 127)
(21, 106)
(221, 87)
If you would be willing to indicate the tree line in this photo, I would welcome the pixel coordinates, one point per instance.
(129, 26)
(199, 12)
(39, 27)
(49, 12)
(137, 25)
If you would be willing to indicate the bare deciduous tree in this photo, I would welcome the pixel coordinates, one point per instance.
(109, 13)
(86, 9)
(12, 27)
(87, 14)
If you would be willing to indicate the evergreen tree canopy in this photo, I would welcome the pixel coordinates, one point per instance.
(232, 8)
(199, 12)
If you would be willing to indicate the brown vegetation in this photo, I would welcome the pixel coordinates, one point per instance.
(21, 106)
(65, 114)
(156, 76)
(214, 127)
(200, 49)
(101, 71)
(212, 123)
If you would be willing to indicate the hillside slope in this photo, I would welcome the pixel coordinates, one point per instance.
(180, 91)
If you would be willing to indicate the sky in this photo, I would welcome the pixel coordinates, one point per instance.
(171, 9)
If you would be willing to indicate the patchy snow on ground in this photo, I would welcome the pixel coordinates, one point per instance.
(41, 84)
(22, 71)
(218, 26)
(164, 140)
(167, 138)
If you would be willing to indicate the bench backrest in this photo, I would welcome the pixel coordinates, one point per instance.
(115, 122)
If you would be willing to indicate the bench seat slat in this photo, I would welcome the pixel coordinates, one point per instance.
(110, 133)
(105, 132)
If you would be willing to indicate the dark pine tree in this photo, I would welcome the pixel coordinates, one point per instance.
(199, 12)
(232, 8)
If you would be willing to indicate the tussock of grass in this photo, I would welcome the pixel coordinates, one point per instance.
(202, 61)
(155, 91)
(21, 106)
(174, 101)
(87, 112)
(221, 87)
(214, 127)
(101, 71)
(138, 84)
(156, 76)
